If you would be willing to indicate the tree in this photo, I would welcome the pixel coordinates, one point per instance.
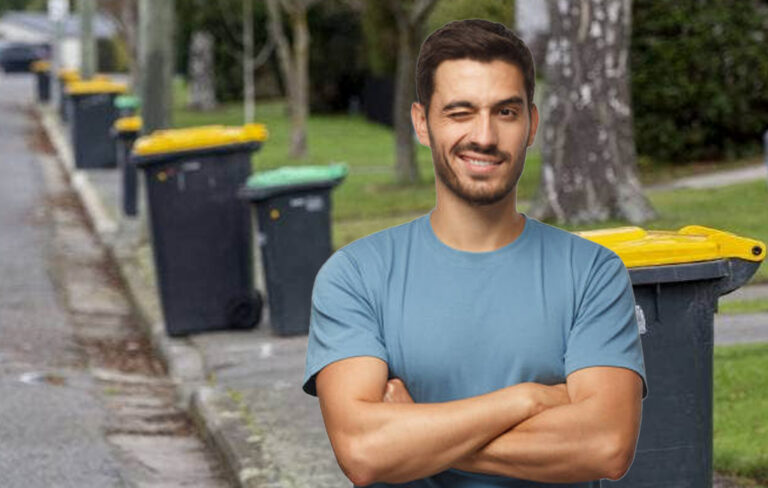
(293, 57)
(125, 13)
(410, 18)
(202, 77)
(588, 171)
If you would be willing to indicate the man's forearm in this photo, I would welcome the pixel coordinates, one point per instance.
(565, 444)
(399, 442)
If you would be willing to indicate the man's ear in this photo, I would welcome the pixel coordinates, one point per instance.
(419, 119)
(534, 124)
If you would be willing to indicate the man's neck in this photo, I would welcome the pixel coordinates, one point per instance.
(477, 228)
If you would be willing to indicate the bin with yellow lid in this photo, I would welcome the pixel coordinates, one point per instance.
(677, 278)
(201, 232)
(125, 131)
(42, 70)
(92, 113)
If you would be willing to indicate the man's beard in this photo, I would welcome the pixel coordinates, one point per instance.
(475, 197)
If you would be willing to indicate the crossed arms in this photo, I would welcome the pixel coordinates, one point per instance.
(583, 430)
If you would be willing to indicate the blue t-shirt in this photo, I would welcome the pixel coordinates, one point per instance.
(454, 324)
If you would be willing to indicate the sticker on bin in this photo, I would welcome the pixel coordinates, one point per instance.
(638, 247)
(640, 316)
(311, 203)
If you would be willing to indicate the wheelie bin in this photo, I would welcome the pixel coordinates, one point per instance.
(92, 114)
(201, 236)
(292, 207)
(677, 279)
(125, 131)
(127, 105)
(42, 70)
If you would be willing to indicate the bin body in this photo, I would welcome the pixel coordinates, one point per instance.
(129, 178)
(91, 119)
(43, 86)
(677, 304)
(201, 238)
(294, 234)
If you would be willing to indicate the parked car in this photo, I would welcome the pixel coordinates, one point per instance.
(16, 57)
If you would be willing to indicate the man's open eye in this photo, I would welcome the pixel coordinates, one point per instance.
(508, 112)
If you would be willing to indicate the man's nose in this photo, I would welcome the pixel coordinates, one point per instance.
(484, 131)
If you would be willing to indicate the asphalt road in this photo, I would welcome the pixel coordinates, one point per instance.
(50, 422)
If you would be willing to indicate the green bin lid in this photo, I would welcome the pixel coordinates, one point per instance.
(297, 175)
(126, 101)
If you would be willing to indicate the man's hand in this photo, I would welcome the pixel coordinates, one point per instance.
(396, 392)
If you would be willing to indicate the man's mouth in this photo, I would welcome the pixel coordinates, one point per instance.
(480, 162)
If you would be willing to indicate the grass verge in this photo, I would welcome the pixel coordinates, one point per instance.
(741, 411)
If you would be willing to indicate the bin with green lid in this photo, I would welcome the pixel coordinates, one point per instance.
(201, 237)
(42, 70)
(91, 115)
(677, 279)
(292, 207)
(125, 132)
(127, 105)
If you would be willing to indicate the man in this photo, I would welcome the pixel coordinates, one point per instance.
(474, 346)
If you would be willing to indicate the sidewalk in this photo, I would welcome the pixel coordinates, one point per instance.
(243, 388)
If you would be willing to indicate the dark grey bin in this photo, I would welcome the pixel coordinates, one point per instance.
(201, 237)
(124, 140)
(91, 116)
(677, 304)
(294, 234)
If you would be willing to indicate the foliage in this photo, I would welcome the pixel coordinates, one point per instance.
(223, 20)
(502, 11)
(700, 78)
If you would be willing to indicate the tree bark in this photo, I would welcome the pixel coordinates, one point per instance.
(588, 171)
(87, 40)
(202, 76)
(410, 25)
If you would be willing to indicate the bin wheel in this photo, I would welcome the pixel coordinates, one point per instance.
(245, 312)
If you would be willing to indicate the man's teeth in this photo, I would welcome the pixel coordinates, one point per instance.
(480, 163)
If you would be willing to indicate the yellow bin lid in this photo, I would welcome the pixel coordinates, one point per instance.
(40, 66)
(95, 86)
(69, 74)
(638, 247)
(178, 140)
(128, 124)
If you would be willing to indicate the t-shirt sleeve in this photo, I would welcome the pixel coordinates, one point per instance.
(343, 320)
(605, 331)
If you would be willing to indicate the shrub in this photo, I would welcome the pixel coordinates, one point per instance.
(699, 78)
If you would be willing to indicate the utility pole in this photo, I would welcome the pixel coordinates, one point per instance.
(248, 63)
(87, 41)
(156, 59)
(58, 10)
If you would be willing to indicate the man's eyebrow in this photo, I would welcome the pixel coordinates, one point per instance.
(501, 103)
(458, 104)
(510, 101)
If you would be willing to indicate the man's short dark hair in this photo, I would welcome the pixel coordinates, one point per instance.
(476, 39)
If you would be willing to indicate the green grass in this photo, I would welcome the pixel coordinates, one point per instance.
(369, 200)
(741, 411)
(733, 307)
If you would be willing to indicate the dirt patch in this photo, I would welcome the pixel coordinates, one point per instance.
(133, 355)
(38, 139)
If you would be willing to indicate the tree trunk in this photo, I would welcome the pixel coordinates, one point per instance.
(249, 87)
(300, 99)
(128, 14)
(588, 171)
(406, 167)
(87, 40)
(202, 76)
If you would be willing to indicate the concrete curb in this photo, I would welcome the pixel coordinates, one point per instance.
(225, 423)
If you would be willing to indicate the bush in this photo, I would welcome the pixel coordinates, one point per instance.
(699, 78)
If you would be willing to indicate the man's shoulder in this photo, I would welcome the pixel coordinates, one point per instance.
(580, 250)
(381, 243)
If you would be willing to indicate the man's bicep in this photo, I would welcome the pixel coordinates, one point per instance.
(342, 384)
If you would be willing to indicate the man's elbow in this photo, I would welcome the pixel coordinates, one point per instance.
(617, 458)
(357, 461)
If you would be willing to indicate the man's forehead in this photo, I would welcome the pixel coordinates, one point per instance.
(469, 78)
